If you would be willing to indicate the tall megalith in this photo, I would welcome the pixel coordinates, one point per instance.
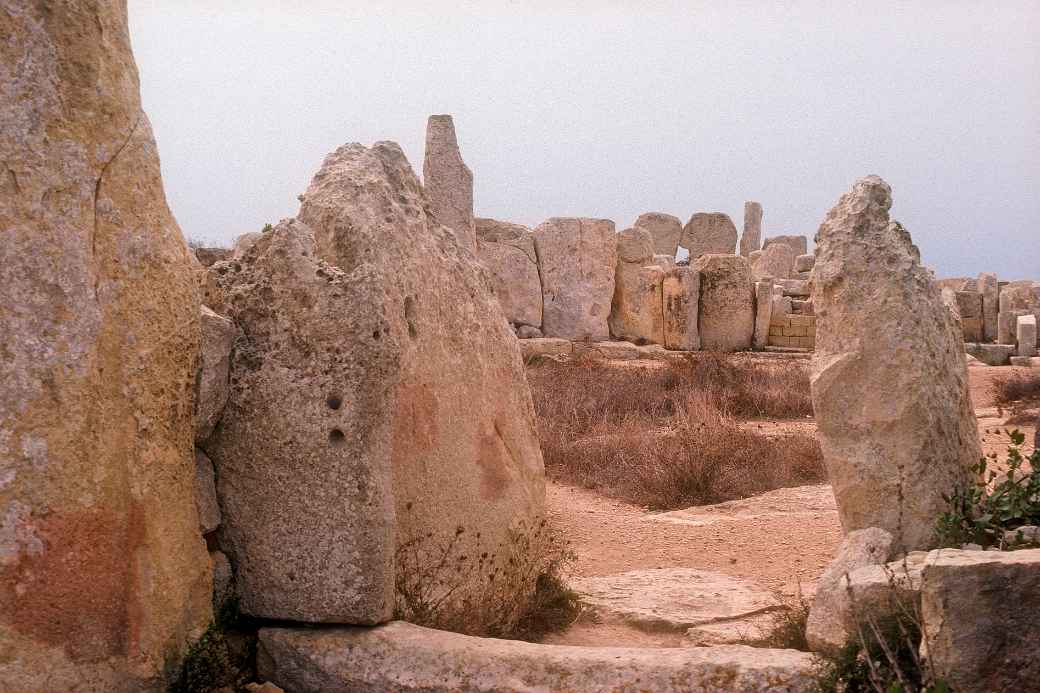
(893, 445)
(448, 181)
(104, 577)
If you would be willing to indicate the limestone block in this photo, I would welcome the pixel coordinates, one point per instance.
(751, 239)
(211, 383)
(726, 316)
(448, 181)
(990, 291)
(776, 261)
(545, 346)
(681, 299)
(709, 233)
(636, 313)
(799, 244)
(507, 253)
(1026, 335)
(991, 354)
(664, 229)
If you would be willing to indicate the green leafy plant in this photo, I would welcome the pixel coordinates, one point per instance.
(996, 502)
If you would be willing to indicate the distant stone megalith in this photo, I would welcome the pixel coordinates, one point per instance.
(448, 181)
(637, 313)
(507, 253)
(709, 233)
(665, 230)
(893, 445)
(751, 239)
(104, 576)
(577, 259)
(726, 319)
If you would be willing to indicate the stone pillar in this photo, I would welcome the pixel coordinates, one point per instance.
(448, 181)
(726, 319)
(636, 311)
(751, 239)
(990, 291)
(1026, 334)
(681, 296)
(763, 311)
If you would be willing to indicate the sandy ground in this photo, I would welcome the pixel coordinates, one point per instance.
(782, 540)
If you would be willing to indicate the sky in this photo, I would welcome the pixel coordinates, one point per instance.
(610, 109)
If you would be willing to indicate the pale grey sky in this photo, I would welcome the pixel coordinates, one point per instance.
(610, 109)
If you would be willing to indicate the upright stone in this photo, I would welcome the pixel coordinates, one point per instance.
(576, 262)
(892, 449)
(799, 244)
(104, 576)
(763, 311)
(636, 314)
(970, 309)
(507, 253)
(776, 261)
(1016, 299)
(751, 239)
(726, 318)
(665, 231)
(990, 290)
(465, 450)
(709, 233)
(1026, 334)
(448, 181)
(681, 298)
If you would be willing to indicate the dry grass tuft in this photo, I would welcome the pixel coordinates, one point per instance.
(667, 437)
(1018, 393)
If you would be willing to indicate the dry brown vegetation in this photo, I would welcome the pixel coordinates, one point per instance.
(1019, 394)
(668, 437)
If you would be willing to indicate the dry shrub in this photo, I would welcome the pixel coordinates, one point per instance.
(666, 438)
(1018, 393)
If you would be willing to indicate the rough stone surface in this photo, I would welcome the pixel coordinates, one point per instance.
(829, 618)
(776, 261)
(672, 598)
(401, 657)
(614, 351)
(763, 312)
(990, 290)
(545, 346)
(206, 493)
(507, 253)
(207, 256)
(1026, 335)
(1007, 326)
(465, 450)
(636, 313)
(223, 580)
(681, 301)
(576, 261)
(991, 354)
(665, 262)
(211, 382)
(726, 318)
(804, 263)
(796, 288)
(979, 613)
(970, 310)
(892, 449)
(244, 242)
(103, 573)
(799, 244)
(528, 332)
(665, 230)
(448, 181)
(1016, 299)
(751, 239)
(709, 233)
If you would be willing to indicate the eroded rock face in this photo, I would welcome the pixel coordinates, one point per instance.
(665, 230)
(763, 312)
(448, 181)
(726, 319)
(990, 290)
(507, 253)
(751, 239)
(799, 244)
(400, 657)
(465, 451)
(211, 382)
(709, 233)
(104, 576)
(636, 312)
(892, 450)
(308, 514)
(776, 261)
(681, 299)
(577, 258)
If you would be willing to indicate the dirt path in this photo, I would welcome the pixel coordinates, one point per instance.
(781, 540)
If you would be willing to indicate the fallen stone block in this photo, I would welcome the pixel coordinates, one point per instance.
(206, 493)
(402, 657)
(507, 253)
(991, 354)
(613, 351)
(751, 239)
(637, 311)
(545, 346)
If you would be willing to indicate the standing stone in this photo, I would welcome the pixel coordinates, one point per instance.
(448, 181)
(1016, 299)
(1007, 326)
(507, 253)
(211, 383)
(776, 261)
(799, 244)
(990, 290)
(104, 577)
(665, 230)
(1026, 334)
(970, 309)
(726, 318)
(751, 239)
(636, 314)
(893, 447)
(763, 311)
(576, 262)
(681, 299)
(709, 233)
(465, 450)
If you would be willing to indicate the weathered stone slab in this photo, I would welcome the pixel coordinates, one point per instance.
(751, 238)
(991, 354)
(665, 230)
(709, 233)
(104, 577)
(1016, 299)
(448, 181)
(681, 301)
(636, 313)
(507, 253)
(244, 242)
(970, 310)
(799, 244)
(464, 447)
(211, 383)
(402, 657)
(545, 346)
(796, 288)
(614, 351)
(978, 612)
(990, 290)
(892, 450)
(776, 261)
(804, 263)
(763, 312)
(576, 260)
(726, 318)
(1026, 335)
